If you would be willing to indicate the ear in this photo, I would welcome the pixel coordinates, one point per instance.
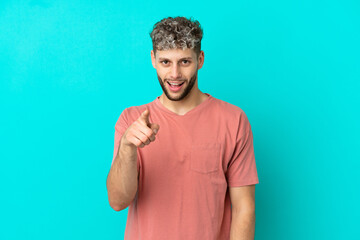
(153, 59)
(201, 59)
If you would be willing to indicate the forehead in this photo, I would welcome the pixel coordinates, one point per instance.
(176, 54)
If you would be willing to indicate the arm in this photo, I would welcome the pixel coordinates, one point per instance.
(122, 180)
(243, 212)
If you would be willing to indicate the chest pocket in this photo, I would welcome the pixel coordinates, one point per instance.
(205, 157)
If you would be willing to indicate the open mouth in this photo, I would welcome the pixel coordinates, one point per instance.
(175, 86)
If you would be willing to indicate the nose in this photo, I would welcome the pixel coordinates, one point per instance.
(175, 72)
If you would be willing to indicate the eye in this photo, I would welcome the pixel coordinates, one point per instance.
(165, 62)
(185, 62)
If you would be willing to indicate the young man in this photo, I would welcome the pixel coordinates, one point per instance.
(183, 163)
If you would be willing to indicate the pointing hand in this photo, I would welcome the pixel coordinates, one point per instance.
(141, 132)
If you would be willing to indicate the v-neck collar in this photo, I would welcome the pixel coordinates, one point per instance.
(195, 109)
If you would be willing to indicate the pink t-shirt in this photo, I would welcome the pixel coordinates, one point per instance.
(185, 173)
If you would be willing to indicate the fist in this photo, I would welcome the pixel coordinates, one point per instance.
(141, 132)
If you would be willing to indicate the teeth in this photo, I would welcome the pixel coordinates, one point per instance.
(175, 84)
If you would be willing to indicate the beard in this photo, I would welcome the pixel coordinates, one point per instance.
(185, 92)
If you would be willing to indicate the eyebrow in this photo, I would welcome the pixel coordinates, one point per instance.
(185, 58)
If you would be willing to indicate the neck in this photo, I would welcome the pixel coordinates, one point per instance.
(181, 107)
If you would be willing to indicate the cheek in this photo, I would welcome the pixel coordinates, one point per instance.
(191, 73)
(161, 74)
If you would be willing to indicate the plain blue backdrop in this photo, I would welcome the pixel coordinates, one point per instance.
(69, 68)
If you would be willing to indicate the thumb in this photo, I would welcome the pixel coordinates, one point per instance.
(145, 116)
(155, 127)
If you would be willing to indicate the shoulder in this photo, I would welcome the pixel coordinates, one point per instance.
(232, 114)
(228, 109)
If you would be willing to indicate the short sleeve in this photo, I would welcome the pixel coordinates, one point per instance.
(242, 167)
(120, 127)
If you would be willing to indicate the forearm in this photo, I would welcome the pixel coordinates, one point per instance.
(242, 225)
(122, 180)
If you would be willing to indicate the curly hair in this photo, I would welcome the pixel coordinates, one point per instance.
(178, 32)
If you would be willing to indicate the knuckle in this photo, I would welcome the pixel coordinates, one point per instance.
(143, 139)
(134, 141)
(149, 133)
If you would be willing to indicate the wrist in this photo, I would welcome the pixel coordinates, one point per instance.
(127, 148)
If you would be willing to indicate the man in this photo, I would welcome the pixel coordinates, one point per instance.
(183, 163)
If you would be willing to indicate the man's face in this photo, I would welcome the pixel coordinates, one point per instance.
(177, 71)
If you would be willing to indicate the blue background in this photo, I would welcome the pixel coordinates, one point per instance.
(69, 68)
